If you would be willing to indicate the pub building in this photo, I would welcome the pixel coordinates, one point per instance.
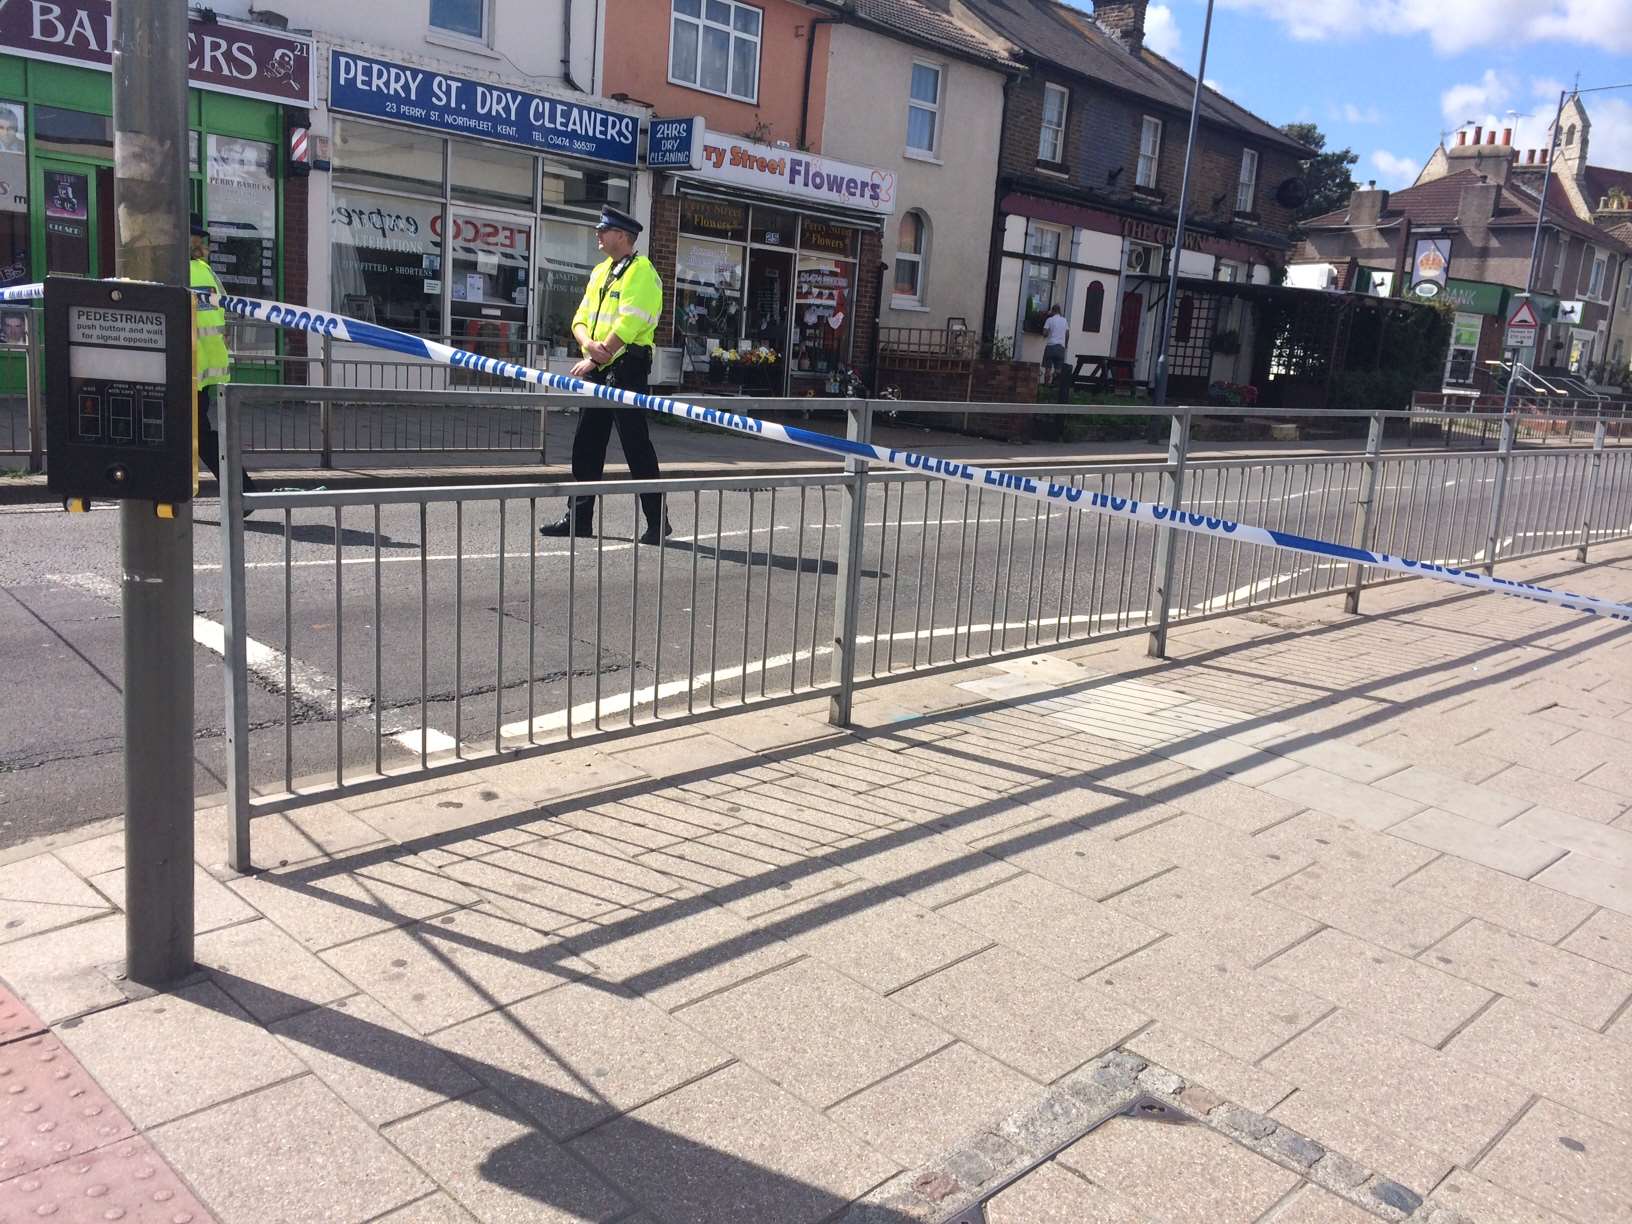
(251, 85)
(461, 206)
(773, 259)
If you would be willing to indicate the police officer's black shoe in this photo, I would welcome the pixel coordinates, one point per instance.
(566, 525)
(655, 534)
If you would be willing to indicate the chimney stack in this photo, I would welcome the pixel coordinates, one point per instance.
(1542, 157)
(1478, 203)
(1461, 139)
(1491, 139)
(1477, 133)
(1367, 205)
(1125, 19)
(1507, 136)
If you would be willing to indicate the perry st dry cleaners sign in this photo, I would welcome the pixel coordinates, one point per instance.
(366, 86)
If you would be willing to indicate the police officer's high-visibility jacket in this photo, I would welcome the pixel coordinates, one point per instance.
(624, 299)
(211, 360)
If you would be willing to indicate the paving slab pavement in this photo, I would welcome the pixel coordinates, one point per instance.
(1080, 936)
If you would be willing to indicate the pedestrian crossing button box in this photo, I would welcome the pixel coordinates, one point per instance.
(120, 414)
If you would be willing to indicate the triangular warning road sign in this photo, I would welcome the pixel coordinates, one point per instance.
(1524, 315)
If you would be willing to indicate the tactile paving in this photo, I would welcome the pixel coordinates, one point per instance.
(50, 1108)
(127, 1182)
(16, 1020)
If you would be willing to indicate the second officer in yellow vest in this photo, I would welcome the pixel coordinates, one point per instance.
(615, 326)
(212, 363)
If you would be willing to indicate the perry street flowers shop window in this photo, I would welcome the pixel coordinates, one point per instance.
(763, 295)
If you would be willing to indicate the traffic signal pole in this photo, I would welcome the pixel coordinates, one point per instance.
(151, 205)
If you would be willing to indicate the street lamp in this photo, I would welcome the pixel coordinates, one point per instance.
(1541, 213)
(1160, 395)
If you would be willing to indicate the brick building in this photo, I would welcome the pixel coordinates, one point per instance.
(1464, 234)
(1087, 192)
(774, 243)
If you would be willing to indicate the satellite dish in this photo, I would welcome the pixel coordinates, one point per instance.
(1292, 193)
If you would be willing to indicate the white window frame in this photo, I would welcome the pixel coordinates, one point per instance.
(933, 108)
(1246, 187)
(459, 37)
(1150, 153)
(703, 22)
(1626, 284)
(1597, 275)
(920, 299)
(1052, 136)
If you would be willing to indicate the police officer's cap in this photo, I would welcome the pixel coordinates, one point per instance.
(196, 226)
(616, 218)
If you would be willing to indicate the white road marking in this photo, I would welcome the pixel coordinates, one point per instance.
(434, 740)
(267, 663)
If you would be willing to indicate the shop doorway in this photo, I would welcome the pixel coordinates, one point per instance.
(766, 315)
(1127, 332)
(490, 260)
(79, 230)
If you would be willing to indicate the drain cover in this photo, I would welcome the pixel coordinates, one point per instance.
(1140, 1109)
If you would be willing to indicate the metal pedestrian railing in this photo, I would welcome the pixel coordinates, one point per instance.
(379, 636)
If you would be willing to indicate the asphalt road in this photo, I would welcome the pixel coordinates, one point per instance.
(745, 591)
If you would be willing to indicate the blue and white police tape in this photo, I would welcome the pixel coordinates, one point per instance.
(338, 327)
(22, 293)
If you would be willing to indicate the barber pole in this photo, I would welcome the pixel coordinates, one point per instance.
(297, 146)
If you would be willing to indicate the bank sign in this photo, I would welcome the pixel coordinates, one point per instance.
(805, 176)
(366, 86)
(254, 61)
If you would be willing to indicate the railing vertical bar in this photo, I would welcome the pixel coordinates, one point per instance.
(714, 620)
(458, 629)
(765, 622)
(878, 586)
(816, 600)
(288, 654)
(532, 619)
(747, 601)
(895, 573)
(379, 635)
(424, 639)
(1037, 522)
(798, 592)
(634, 600)
(572, 620)
(657, 629)
(934, 569)
(339, 658)
(691, 632)
(600, 608)
(498, 679)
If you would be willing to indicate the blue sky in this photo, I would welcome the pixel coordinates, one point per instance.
(1387, 77)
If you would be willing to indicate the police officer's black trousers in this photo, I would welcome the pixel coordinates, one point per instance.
(630, 372)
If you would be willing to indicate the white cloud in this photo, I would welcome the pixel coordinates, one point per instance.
(1394, 172)
(1460, 103)
(1456, 25)
(1611, 136)
(1161, 30)
(1349, 112)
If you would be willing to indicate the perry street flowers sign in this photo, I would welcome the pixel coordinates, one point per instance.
(807, 176)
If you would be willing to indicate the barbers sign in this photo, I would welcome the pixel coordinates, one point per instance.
(234, 57)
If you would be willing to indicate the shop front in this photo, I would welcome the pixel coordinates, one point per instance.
(250, 83)
(1108, 272)
(1478, 332)
(465, 210)
(773, 256)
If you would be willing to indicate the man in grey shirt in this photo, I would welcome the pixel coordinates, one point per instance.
(1055, 330)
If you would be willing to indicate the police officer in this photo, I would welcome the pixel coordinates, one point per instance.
(615, 325)
(211, 361)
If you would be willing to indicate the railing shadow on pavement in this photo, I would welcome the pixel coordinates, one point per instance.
(817, 912)
(697, 1181)
(316, 533)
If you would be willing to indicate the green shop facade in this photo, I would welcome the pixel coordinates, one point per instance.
(250, 88)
